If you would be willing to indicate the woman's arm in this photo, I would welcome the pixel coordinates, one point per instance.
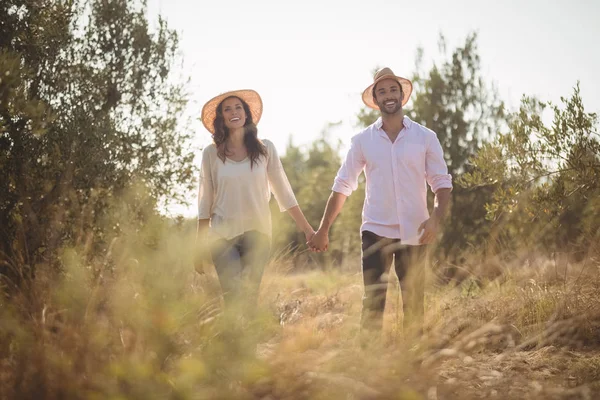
(281, 188)
(201, 250)
(205, 202)
(301, 222)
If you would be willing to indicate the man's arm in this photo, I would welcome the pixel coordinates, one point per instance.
(436, 173)
(441, 202)
(332, 210)
(346, 181)
(320, 241)
(431, 226)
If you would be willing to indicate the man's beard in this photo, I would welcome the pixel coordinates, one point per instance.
(395, 110)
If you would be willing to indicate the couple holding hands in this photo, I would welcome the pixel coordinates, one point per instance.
(399, 157)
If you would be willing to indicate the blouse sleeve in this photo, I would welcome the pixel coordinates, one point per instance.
(280, 185)
(206, 191)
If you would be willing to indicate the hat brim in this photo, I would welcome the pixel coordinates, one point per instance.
(209, 111)
(407, 88)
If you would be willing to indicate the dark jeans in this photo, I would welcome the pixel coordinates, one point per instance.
(409, 262)
(240, 263)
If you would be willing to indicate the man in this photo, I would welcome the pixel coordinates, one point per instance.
(399, 158)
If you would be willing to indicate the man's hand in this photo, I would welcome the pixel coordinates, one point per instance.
(320, 241)
(430, 229)
(431, 226)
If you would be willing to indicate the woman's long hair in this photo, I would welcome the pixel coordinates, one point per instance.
(254, 145)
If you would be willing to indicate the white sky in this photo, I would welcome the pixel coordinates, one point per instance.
(311, 59)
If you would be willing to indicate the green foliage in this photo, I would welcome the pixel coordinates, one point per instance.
(545, 179)
(454, 101)
(87, 107)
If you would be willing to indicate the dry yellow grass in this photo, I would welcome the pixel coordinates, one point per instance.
(141, 324)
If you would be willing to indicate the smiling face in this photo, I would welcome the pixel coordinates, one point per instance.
(234, 115)
(388, 96)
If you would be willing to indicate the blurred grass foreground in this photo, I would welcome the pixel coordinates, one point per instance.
(140, 323)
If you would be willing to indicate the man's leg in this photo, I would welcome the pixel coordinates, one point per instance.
(375, 261)
(410, 268)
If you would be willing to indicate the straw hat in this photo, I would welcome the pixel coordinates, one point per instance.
(386, 73)
(209, 111)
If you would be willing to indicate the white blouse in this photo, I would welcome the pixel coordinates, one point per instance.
(236, 198)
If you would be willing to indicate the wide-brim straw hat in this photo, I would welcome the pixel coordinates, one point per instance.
(209, 111)
(386, 73)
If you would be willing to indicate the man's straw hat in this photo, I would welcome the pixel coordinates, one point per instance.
(386, 73)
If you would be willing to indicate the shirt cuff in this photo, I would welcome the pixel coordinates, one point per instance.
(441, 182)
(342, 188)
(286, 207)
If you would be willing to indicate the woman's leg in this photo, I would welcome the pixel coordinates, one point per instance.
(227, 260)
(255, 249)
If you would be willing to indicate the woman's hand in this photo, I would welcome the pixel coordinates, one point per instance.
(201, 253)
(201, 261)
(308, 234)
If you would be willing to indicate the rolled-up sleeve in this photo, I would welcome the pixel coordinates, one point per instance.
(436, 170)
(206, 192)
(280, 185)
(346, 180)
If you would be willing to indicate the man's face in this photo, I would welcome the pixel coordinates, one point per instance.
(388, 96)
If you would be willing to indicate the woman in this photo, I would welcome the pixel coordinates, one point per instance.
(238, 173)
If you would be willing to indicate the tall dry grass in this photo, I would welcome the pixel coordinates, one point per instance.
(139, 323)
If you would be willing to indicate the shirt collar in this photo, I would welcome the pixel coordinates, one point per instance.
(407, 122)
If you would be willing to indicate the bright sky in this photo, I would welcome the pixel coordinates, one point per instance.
(311, 59)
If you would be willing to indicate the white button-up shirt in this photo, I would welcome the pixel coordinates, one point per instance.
(396, 175)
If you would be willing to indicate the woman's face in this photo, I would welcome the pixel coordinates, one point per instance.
(233, 113)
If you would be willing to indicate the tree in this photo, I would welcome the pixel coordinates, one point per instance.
(545, 180)
(87, 107)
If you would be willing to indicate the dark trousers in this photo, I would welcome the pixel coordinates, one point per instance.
(240, 263)
(409, 261)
